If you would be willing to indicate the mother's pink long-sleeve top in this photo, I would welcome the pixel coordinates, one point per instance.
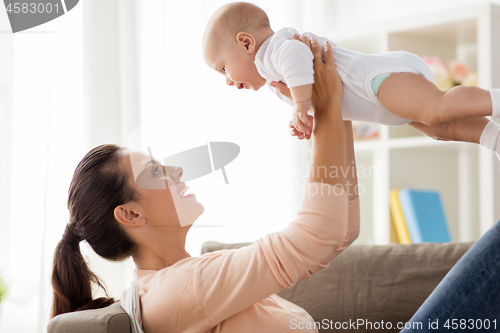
(235, 290)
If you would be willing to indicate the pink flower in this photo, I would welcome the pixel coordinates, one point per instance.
(440, 72)
(433, 60)
(471, 79)
(458, 71)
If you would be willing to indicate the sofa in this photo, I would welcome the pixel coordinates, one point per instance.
(362, 290)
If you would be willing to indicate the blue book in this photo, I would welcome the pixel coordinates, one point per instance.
(424, 216)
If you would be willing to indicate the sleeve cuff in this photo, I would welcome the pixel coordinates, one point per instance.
(293, 82)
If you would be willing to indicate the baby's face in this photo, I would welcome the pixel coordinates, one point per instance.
(234, 62)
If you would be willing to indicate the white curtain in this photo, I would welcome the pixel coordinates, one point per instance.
(41, 104)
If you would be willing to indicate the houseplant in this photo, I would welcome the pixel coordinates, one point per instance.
(3, 293)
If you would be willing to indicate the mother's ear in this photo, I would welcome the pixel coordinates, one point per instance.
(129, 215)
(246, 41)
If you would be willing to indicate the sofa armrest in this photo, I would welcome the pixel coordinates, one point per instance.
(111, 319)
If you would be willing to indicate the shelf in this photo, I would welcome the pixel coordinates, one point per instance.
(450, 34)
(402, 143)
(465, 174)
(420, 142)
(368, 145)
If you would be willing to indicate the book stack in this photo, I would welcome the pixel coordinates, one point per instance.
(417, 216)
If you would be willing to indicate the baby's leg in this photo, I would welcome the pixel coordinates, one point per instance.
(411, 96)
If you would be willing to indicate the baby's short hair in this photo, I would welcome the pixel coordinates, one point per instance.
(241, 16)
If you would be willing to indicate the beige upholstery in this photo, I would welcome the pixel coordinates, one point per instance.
(111, 319)
(373, 283)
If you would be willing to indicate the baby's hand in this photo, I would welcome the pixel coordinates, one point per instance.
(301, 120)
(296, 133)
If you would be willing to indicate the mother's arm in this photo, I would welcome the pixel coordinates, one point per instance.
(328, 148)
(348, 169)
(231, 282)
(353, 217)
(345, 162)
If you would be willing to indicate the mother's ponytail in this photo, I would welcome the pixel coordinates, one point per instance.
(72, 278)
(97, 187)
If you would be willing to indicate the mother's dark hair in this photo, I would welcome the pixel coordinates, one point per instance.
(97, 187)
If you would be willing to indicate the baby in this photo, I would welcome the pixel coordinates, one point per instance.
(392, 88)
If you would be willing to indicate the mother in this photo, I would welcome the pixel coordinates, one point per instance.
(232, 291)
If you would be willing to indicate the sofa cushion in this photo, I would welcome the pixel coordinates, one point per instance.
(371, 283)
(111, 319)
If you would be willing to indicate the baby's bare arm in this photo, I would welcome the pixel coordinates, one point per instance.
(301, 96)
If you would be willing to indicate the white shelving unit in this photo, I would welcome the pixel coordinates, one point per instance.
(466, 175)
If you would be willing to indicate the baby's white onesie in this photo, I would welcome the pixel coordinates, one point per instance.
(280, 58)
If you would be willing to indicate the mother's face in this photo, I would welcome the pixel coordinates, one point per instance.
(160, 191)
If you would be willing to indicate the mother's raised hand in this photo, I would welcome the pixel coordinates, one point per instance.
(327, 83)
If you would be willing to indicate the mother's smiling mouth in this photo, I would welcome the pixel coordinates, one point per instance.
(182, 189)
